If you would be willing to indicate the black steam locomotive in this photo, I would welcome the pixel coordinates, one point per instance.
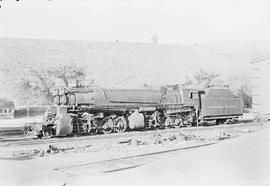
(92, 110)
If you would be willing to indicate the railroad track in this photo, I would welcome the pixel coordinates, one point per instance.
(130, 157)
(35, 141)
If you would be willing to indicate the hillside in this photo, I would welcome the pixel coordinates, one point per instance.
(121, 64)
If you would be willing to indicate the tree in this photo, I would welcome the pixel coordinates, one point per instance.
(203, 78)
(33, 84)
(40, 83)
(147, 86)
(245, 93)
(241, 83)
(188, 81)
(70, 74)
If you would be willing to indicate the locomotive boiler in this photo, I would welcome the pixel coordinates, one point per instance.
(92, 110)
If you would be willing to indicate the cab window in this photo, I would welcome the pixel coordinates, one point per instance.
(193, 95)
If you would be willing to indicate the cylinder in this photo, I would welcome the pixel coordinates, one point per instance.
(71, 99)
(136, 120)
(63, 122)
(63, 99)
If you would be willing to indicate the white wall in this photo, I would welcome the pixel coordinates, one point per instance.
(261, 86)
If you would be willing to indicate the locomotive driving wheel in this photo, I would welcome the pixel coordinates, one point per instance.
(47, 133)
(168, 122)
(178, 122)
(186, 122)
(107, 125)
(121, 125)
(189, 124)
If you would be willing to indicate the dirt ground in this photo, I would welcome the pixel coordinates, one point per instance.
(242, 161)
(60, 163)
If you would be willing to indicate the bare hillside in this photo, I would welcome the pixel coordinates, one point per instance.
(120, 64)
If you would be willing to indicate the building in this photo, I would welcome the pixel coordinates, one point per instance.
(6, 109)
(260, 71)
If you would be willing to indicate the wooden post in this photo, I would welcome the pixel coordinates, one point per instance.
(27, 112)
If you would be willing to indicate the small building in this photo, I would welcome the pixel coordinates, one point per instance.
(260, 68)
(6, 109)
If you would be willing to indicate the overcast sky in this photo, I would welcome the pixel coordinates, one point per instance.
(173, 21)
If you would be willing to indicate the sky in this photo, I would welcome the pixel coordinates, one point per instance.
(171, 21)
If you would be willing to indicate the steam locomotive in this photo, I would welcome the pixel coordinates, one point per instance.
(92, 110)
